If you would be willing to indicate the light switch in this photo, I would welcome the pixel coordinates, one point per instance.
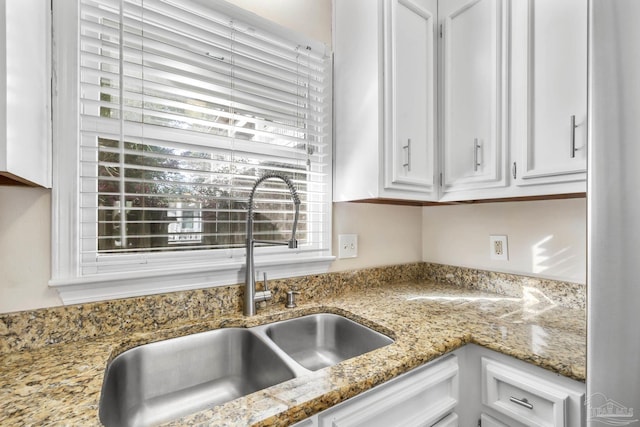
(347, 245)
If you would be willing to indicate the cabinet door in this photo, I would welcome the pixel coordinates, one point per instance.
(25, 93)
(550, 90)
(418, 398)
(410, 81)
(473, 98)
(309, 422)
(450, 420)
(357, 100)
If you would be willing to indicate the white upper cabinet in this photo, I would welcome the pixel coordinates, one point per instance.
(25, 115)
(384, 98)
(410, 87)
(455, 100)
(473, 104)
(549, 105)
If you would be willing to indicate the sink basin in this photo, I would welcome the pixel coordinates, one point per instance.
(320, 340)
(158, 382)
(162, 381)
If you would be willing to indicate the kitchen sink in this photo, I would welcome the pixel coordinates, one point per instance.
(320, 340)
(162, 381)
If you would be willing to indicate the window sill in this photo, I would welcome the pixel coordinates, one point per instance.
(125, 285)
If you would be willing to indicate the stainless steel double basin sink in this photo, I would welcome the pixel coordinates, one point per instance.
(162, 381)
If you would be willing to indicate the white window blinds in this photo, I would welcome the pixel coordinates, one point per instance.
(183, 105)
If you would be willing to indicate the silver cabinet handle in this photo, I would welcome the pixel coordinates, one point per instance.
(522, 402)
(573, 137)
(408, 148)
(476, 147)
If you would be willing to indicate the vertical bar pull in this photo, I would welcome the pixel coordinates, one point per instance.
(476, 162)
(573, 137)
(408, 148)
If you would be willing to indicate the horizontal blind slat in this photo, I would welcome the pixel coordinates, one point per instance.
(205, 105)
(184, 138)
(160, 37)
(91, 80)
(190, 23)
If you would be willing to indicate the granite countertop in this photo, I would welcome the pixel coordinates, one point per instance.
(60, 384)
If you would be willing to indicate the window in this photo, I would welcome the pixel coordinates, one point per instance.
(166, 114)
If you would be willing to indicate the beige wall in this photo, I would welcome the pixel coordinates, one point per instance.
(310, 17)
(545, 238)
(25, 248)
(386, 234)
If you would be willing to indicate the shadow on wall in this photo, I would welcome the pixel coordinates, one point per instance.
(551, 258)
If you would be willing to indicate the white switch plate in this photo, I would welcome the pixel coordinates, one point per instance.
(498, 248)
(347, 245)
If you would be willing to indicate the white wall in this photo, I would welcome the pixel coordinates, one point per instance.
(545, 238)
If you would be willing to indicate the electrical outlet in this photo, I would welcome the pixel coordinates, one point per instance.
(347, 245)
(498, 249)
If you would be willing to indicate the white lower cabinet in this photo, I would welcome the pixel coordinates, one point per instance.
(503, 391)
(529, 398)
(473, 386)
(421, 397)
(489, 421)
(450, 420)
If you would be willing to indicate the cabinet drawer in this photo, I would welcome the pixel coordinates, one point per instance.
(489, 421)
(528, 398)
(418, 398)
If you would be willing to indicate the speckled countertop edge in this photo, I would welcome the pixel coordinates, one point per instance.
(60, 384)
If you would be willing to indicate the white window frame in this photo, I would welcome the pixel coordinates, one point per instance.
(200, 269)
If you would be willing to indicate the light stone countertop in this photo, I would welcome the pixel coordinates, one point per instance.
(60, 384)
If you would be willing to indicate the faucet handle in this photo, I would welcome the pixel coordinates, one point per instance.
(265, 294)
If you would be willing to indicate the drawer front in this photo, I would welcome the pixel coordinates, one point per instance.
(489, 421)
(418, 398)
(524, 397)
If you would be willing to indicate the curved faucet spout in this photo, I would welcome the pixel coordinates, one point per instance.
(250, 294)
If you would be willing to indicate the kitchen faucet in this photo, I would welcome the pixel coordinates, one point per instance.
(251, 297)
